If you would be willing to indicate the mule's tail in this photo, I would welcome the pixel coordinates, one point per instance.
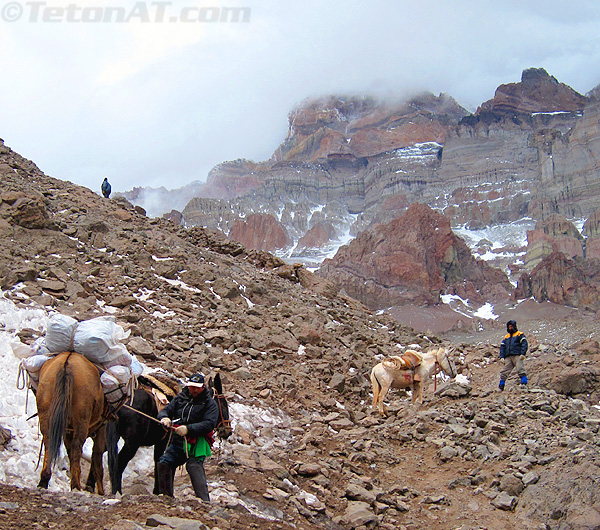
(112, 440)
(60, 410)
(376, 388)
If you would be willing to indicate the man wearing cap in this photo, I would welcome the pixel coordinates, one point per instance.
(512, 350)
(192, 414)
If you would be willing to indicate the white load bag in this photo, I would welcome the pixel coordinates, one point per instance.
(136, 367)
(99, 340)
(34, 363)
(59, 333)
(20, 350)
(115, 383)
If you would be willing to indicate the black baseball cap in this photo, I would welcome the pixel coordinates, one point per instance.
(196, 380)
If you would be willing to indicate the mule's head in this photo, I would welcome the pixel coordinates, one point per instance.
(223, 428)
(445, 362)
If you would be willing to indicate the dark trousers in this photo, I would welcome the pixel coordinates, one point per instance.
(174, 457)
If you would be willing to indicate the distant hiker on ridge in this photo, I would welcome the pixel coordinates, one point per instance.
(512, 350)
(106, 188)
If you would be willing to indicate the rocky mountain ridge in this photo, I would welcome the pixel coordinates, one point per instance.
(376, 157)
(351, 163)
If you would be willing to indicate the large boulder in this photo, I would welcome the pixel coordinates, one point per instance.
(565, 495)
(26, 210)
(260, 232)
(412, 259)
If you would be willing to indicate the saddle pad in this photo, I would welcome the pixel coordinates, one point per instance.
(160, 399)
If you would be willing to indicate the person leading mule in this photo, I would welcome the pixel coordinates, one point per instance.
(192, 415)
(512, 349)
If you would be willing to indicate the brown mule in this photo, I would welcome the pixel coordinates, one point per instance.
(71, 408)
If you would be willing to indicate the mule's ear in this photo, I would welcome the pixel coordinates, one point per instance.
(217, 384)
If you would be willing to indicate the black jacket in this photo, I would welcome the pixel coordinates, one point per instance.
(200, 414)
(515, 344)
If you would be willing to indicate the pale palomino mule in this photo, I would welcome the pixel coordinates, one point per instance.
(410, 370)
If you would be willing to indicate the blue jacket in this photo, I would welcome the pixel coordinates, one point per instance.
(515, 344)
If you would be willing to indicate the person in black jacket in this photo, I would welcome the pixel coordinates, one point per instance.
(192, 415)
(512, 349)
(106, 188)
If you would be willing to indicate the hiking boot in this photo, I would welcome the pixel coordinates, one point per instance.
(501, 386)
(523, 379)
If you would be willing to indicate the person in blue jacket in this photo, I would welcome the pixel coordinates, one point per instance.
(106, 188)
(192, 415)
(513, 349)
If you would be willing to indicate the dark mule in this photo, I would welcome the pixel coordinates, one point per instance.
(140, 431)
(136, 431)
(71, 408)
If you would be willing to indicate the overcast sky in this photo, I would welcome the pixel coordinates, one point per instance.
(150, 101)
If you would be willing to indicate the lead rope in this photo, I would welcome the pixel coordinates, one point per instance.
(24, 381)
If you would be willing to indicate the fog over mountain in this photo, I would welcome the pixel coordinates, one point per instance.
(160, 103)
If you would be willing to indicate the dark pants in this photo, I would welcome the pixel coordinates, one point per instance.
(174, 457)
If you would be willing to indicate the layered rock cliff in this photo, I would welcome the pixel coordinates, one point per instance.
(529, 151)
(564, 263)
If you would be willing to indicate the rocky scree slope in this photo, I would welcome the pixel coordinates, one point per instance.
(286, 341)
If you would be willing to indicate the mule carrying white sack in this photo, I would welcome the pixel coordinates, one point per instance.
(98, 339)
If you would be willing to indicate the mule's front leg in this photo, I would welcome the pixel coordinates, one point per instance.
(417, 392)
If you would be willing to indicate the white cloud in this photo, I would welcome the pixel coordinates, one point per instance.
(162, 103)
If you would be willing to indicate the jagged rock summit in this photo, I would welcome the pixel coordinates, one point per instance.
(538, 91)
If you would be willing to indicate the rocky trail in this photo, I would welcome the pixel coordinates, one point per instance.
(291, 347)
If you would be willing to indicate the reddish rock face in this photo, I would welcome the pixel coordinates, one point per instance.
(412, 259)
(233, 179)
(260, 232)
(537, 92)
(563, 280)
(317, 236)
(339, 127)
